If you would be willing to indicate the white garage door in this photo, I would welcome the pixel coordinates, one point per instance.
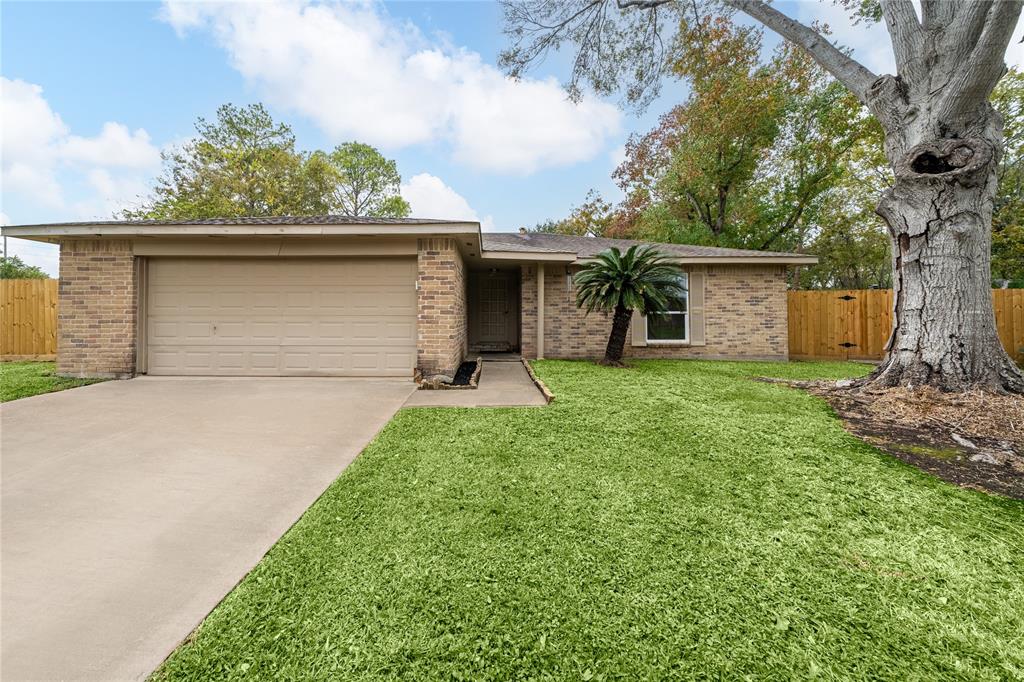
(281, 317)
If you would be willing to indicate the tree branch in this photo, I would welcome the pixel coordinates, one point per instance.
(972, 84)
(641, 4)
(906, 36)
(937, 13)
(846, 70)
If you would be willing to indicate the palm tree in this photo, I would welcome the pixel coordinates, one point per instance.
(641, 279)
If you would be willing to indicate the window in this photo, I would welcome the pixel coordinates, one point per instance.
(672, 326)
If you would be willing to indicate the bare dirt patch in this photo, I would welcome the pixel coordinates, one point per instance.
(975, 440)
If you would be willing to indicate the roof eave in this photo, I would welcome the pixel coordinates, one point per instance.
(48, 233)
(732, 260)
(556, 256)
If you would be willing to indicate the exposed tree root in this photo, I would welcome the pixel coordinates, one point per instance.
(1004, 379)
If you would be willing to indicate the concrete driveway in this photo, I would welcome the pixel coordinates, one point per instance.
(130, 508)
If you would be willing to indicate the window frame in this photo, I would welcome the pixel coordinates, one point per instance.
(685, 341)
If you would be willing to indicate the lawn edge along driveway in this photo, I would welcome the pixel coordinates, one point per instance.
(670, 520)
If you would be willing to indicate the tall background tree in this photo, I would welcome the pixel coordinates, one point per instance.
(943, 141)
(747, 160)
(1008, 218)
(364, 182)
(244, 163)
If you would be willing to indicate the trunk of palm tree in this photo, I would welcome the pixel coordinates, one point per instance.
(617, 338)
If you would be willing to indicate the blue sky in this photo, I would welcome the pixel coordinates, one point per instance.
(93, 91)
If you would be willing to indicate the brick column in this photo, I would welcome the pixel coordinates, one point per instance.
(528, 316)
(97, 309)
(441, 306)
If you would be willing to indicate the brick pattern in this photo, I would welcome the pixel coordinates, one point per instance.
(528, 311)
(98, 304)
(441, 306)
(744, 313)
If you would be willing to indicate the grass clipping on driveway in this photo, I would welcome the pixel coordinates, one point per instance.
(670, 520)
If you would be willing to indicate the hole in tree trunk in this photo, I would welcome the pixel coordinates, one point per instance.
(929, 163)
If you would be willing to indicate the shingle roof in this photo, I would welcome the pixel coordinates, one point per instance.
(267, 220)
(525, 243)
(588, 247)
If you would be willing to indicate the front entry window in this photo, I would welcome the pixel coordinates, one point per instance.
(672, 326)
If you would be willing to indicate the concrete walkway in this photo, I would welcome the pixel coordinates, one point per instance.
(503, 383)
(130, 508)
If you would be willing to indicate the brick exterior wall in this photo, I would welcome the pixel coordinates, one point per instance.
(528, 312)
(97, 304)
(441, 306)
(744, 317)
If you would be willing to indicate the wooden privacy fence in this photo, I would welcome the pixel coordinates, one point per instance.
(854, 324)
(28, 330)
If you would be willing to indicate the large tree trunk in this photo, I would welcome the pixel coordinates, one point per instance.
(617, 337)
(939, 215)
(944, 141)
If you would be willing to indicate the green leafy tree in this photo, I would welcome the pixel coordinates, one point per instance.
(12, 267)
(687, 178)
(748, 159)
(364, 182)
(244, 163)
(595, 217)
(641, 279)
(241, 164)
(1008, 216)
(853, 253)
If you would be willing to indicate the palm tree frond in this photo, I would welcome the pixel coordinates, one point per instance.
(642, 279)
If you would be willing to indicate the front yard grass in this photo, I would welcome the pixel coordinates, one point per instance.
(24, 379)
(672, 520)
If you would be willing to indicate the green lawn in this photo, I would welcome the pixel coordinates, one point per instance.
(673, 520)
(22, 379)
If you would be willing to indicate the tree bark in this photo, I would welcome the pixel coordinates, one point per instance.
(617, 337)
(939, 214)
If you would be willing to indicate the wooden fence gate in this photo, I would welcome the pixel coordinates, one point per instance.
(28, 319)
(854, 324)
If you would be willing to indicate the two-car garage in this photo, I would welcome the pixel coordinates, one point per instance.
(278, 316)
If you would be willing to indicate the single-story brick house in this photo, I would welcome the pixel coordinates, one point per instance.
(335, 295)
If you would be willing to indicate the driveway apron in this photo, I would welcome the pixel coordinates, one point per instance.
(131, 508)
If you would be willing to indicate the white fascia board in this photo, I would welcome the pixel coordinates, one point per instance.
(557, 256)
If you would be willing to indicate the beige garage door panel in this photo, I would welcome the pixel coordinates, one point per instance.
(280, 317)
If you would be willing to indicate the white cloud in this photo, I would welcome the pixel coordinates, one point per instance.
(112, 192)
(36, 145)
(358, 73)
(114, 146)
(28, 141)
(429, 197)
